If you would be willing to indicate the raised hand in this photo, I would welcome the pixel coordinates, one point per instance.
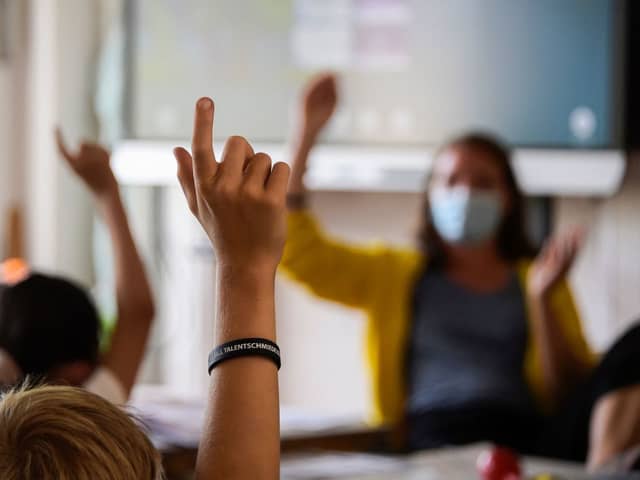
(240, 202)
(554, 262)
(319, 101)
(134, 300)
(91, 164)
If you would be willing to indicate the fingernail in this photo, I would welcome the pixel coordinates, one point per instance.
(205, 104)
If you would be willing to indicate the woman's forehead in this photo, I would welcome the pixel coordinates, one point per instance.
(461, 159)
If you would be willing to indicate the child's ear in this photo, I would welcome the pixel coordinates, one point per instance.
(10, 372)
(72, 373)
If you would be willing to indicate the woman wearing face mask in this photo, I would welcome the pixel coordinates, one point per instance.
(473, 337)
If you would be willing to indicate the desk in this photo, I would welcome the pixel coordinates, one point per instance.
(175, 426)
(178, 423)
(179, 462)
(446, 464)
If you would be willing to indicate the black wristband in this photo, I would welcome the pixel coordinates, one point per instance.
(245, 347)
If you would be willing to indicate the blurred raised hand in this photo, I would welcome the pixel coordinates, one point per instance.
(136, 308)
(554, 262)
(90, 162)
(319, 101)
(317, 104)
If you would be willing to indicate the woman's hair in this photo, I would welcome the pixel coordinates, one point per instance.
(48, 321)
(512, 239)
(66, 433)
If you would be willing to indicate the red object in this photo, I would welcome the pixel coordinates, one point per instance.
(498, 464)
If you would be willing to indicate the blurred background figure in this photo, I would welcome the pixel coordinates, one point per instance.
(476, 336)
(50, 329)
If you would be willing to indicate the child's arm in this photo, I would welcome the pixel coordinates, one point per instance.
(240, 203)
(134, 299)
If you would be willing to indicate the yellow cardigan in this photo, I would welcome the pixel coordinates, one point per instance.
(380, 281)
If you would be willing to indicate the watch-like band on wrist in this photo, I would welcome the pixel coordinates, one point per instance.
(245, 347)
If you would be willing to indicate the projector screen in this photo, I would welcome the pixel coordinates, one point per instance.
(540, 73)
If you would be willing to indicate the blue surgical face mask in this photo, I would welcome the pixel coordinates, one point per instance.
(465, 217)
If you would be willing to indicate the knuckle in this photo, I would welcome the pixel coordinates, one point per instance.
(258, 164)
(223, 192)
(272, 202)
(262, 157)
(282, 168)
(236, 141)
(183, 178)
(251, 194)
(204, 185)
(200, 151)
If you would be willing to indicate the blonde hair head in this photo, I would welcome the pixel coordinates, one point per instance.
(65, 433)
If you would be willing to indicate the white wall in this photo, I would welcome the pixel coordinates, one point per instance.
(186, 296)
(10, 119)
(6, 151)
(48, 82)
(78, 35)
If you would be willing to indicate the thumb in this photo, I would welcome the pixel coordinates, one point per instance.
(62, 147)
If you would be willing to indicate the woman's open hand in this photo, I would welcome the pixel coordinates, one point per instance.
(554, 262)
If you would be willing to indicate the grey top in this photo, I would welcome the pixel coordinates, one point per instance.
(467, 349)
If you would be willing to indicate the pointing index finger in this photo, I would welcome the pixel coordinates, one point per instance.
(204, 161)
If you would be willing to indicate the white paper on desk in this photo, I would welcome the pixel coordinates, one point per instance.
(294, 420)
(337, 465)
(175, 420)
(177, 424)
(180, 424)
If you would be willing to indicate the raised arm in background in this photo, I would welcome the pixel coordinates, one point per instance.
(135, 306)
(318, 103)
(348, 274)
(562, 368)
(240, 203)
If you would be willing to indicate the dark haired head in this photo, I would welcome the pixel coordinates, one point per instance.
(512, 240)
(47, 322)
